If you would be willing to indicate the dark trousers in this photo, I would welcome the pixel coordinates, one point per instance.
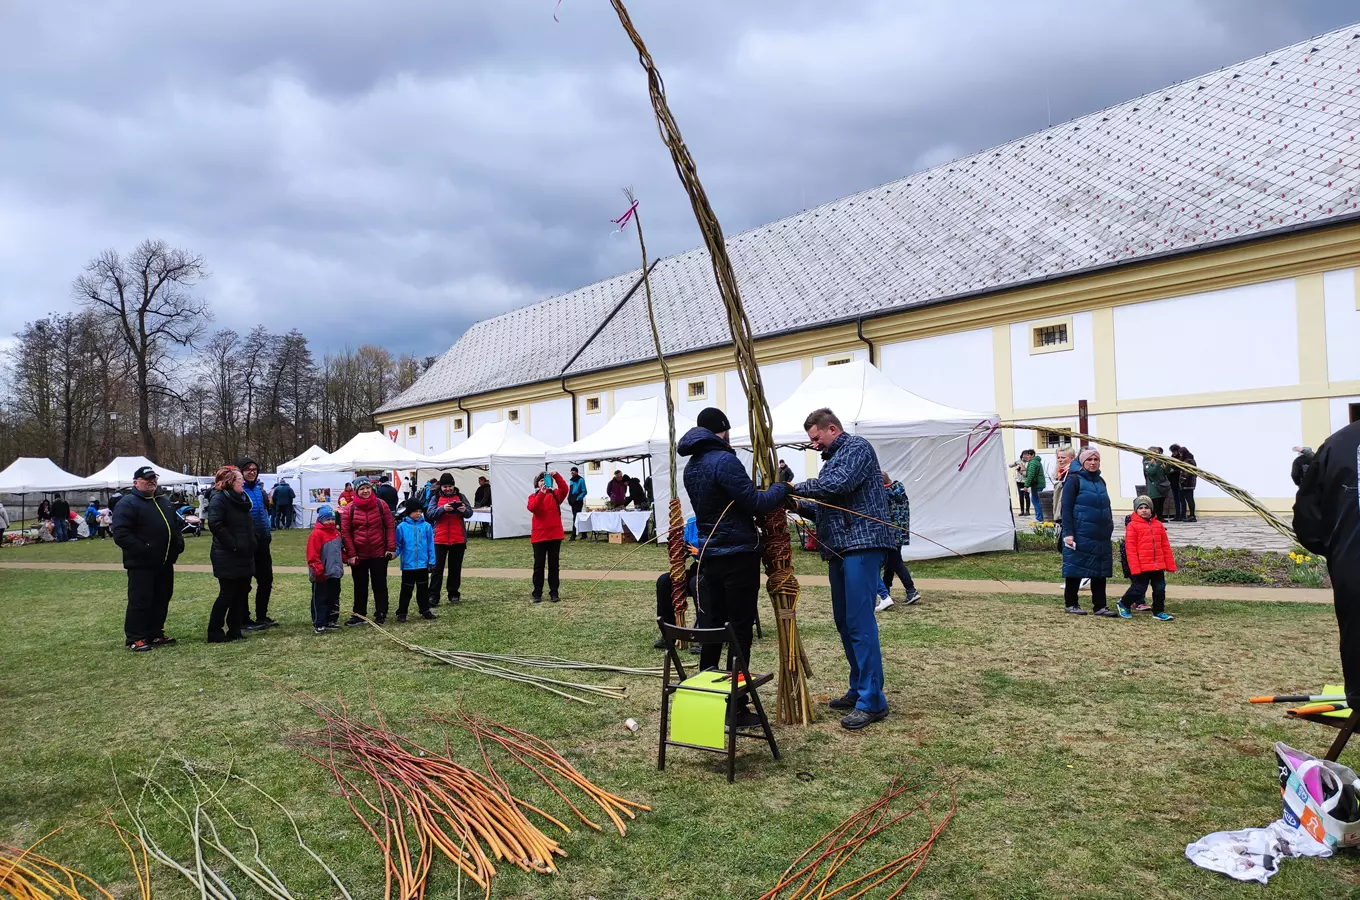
(232, 606)
(1158, 506)
(854, 584)
(1188, 502)
(1072, 585)
(547, 553)
(417, 580)
(149, 593)
(365, 572)
(894, 564)
(576, 507)
(264, 581)
(103, 532)
(1346, 600)
(1138, 585)
(1024, 498)
(59, 529)
(665, 607)
(285, 516)
(1177, 501)
(729, 588)
(325, 602)
(453, 555)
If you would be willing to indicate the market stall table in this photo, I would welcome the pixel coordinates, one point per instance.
(615, 521)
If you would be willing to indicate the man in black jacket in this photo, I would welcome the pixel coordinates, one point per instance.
(482, 498)
(144, 527)
(726, 504)
(1327, 522)
(388, 494)
(61, 518)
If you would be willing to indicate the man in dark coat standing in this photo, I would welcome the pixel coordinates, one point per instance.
(61, 518)
(388, 494)
(144, 528)
(264, 560)
(729, 542)
(1327, 522)
(284, 498)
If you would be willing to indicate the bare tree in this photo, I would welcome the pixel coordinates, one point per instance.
(148, 297)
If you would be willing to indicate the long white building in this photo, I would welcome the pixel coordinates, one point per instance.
(1185, 263)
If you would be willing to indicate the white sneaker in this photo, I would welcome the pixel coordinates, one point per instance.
(884, 602)
(1085, 583)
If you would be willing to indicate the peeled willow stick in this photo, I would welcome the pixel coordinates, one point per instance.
(1222, 484)
(675, 549)
(795, 703)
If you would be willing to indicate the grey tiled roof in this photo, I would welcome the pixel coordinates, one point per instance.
(1259, 147)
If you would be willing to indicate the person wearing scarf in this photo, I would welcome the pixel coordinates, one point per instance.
(368, 530)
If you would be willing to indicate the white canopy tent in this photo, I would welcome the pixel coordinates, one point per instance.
(38, 475)
(366, 450)
(511, 458)
(294, 465)
(118, 474)
(639, 429)
(951, 461)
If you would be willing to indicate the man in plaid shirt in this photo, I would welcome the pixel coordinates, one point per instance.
(853, 540)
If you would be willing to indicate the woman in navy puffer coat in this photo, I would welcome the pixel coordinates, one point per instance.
(1088, 525)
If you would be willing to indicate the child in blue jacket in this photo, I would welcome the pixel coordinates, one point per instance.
(415, 546)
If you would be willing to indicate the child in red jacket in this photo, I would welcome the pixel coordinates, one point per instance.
(1149, 555)
(546, 533)
(325, 568)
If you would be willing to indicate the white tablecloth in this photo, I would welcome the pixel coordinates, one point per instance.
(615, 521)
(481, 515)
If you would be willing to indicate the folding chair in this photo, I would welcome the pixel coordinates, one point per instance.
(1345, 727)
(708, 701)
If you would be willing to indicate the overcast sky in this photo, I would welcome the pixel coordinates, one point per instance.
(393, 171)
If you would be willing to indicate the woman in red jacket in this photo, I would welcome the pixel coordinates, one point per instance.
(545, 504)
(368, 530)
(1149, 554)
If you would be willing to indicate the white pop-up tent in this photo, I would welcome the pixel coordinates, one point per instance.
(294, 465)
(38, 475)
(118, 474)
(366, 450)
(951, 461)
(638, 430)
(510, 457)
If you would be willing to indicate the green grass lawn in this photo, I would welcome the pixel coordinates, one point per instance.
(514, 553)
(1086, 753)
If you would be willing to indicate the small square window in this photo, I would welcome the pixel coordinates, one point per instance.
(696, 390)
(512, 415)
(457, 423)
(593, 468)
(410, 431)
(1355, 412)
(1050, 440)
(839, 360)
(592, 404)
(1050, 335)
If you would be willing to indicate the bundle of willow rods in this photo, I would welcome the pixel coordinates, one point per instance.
(675, 548)
(426, 805)
(795, 702)
(196, 818)
(1222, 484)
(28, 875)
(812, 874)
(536, 754)
(496, 664)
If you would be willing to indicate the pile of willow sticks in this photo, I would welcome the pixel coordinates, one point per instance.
(197, 814)
(28, 875)
(426, 805)
(815, 871)
(500, 666)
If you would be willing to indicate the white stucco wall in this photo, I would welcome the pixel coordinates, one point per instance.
(954, 369)
(1341, 411)
(483, 416)
(691, 408)
(550, 421)
(1058, 378)
(411, 441)
(780, 381)
(435, 433)
(1343, 326)
(1249, 445)
(1242, 337)
(858, 354)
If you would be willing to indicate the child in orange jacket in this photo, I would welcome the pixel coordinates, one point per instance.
(325, 568)
(1150, 558)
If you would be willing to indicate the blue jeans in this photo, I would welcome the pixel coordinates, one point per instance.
(1038, 506)
(854, 583)
(59, 529)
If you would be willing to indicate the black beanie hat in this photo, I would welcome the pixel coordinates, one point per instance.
(714, 420)
(444, 479)
(245, 461)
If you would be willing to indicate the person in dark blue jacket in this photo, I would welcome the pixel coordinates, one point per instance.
(1088, 525)
(726, 504)
(264, 561)
(853, 543)
(143, 529)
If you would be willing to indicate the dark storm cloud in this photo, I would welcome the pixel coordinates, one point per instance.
(395, 171)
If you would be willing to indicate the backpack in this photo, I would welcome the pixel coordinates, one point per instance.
(1124, 552)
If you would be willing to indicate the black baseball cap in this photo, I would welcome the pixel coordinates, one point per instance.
(146, 472)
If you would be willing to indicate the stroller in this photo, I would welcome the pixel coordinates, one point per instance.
(189, 521)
